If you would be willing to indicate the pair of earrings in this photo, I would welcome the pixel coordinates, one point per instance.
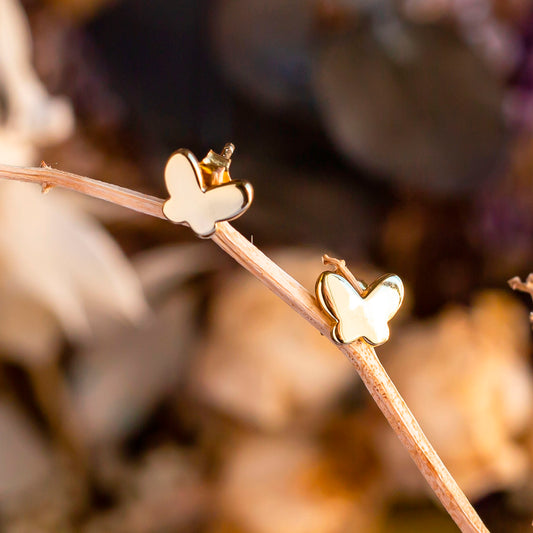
(203, 194)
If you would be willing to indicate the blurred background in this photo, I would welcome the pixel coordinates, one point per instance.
(147, 383)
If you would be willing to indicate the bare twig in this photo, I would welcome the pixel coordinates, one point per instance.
(340, 266)
(361, 355)
(523, 286)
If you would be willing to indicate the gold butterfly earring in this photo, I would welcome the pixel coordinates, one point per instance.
(203, 193)
(359, 311)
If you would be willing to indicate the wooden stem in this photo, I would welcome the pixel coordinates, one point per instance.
(340, 266)
(362, 356)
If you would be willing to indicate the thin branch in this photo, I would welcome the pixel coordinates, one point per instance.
(340, 266)
(48, 177)
(361, 355)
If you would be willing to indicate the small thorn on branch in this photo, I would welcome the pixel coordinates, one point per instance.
(44, 164)
(46, 187)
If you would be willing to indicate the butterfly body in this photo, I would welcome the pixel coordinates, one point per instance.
(362, 314)
(193, 203)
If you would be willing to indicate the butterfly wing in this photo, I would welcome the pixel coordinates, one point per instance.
(182, 178)
(358, 316)
(382, 301)
(226, 202)
(190, 204)
(343, 303)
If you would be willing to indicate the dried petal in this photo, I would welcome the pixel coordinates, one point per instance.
(261, 362)
(465, 376)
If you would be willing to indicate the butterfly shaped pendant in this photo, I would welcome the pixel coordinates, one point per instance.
(197, 205)
(361, 313)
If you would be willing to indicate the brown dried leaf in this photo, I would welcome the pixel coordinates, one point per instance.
(33, 117)
(163, 493)
(413, 103)
(286, 485)
(50, 253)
(261, 362)
(163, 268)
(64, 260)
(29, 332)
(25, 461)
(465, 376)
(121, 378)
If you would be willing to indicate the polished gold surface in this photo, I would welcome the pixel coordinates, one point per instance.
(215, 167)
(360, 313)
(196, 198)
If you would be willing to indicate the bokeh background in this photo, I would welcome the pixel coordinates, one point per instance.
(149, 385)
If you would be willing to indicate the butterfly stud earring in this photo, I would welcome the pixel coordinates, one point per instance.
(359, 311)
(203, 193)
